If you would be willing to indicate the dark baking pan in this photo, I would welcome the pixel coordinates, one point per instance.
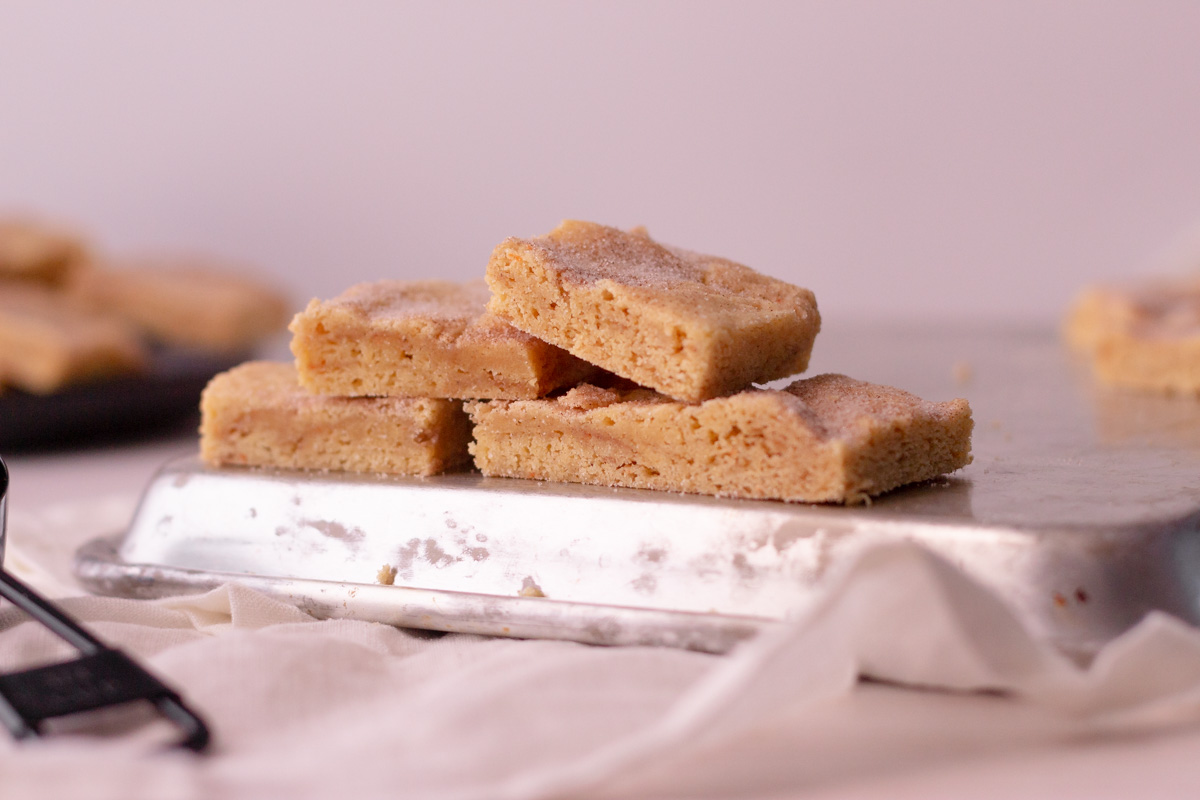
(164, 397)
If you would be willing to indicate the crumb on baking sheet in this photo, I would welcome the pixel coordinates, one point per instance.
(386, 575)
(530, 589)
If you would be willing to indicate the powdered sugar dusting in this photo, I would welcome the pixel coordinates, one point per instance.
(439, 300)
(586, 252)
(448, 310)
(841, 405)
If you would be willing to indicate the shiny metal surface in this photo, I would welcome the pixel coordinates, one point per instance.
(1082, 509)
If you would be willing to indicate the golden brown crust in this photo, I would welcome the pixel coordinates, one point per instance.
(257, 414)
(691, 326)
(823, 439)
(423, 339)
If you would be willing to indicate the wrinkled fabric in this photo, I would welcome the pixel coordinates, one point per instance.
(308, 708)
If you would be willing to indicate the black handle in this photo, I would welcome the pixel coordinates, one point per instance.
(100, 678)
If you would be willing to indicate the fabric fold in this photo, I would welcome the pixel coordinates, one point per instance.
(319, 708)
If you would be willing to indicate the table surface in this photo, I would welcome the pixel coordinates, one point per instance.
(950, 744)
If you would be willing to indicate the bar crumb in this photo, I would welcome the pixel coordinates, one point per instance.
(386, 575)
(530, 589)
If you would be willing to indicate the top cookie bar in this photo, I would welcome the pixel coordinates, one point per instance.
(688, 325)
(423, 339)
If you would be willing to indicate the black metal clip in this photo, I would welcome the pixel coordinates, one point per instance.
(100, 678)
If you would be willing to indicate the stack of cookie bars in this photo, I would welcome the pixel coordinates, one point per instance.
(590, 355)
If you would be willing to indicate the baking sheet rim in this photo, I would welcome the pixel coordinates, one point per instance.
(100, 569)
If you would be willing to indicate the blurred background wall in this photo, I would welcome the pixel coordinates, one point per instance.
(903, 159)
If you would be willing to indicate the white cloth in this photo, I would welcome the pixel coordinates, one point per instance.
(303, 708)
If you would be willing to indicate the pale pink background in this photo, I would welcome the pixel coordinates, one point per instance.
(912, 159)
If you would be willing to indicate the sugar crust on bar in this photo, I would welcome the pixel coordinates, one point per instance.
(257, 414)
(35, 251)
(48, 343)
(191, 303)
(424, 339)
(824, 439)
(691, 326)
(1141, 336)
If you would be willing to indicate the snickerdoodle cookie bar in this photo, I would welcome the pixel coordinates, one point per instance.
(824, 439)
(424, 339)
(34, 251)
(258, 414)
(47, 342)
(691, 326)
(1142, 336)
(185, 301)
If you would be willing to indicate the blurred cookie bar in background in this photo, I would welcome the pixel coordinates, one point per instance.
(36, 251)
(48, 342)
(94, 346)
(187, 302)
(1141, 335)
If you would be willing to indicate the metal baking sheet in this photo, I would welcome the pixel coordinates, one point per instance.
(1082, 509)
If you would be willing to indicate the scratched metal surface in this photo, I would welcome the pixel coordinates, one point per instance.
(1082, 508)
